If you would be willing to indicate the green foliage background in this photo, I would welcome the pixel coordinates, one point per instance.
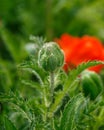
(77, 17)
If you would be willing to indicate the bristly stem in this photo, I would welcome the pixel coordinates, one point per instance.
(52, 86)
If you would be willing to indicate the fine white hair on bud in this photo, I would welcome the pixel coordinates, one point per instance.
(50, 57)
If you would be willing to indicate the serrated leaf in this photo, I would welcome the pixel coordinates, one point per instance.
(16, 104)
(82, 67)
(70, 113)
(32, 84)
(35, 73)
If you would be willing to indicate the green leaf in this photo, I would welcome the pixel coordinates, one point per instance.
(8, 124)
(34, 73)
(82, 67)
(70, 113)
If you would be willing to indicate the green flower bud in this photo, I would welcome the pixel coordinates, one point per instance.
(91, 83)
(50, 57)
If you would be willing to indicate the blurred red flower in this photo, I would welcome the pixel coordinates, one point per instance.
(78, 50)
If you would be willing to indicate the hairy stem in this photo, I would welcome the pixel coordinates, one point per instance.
(52, 86)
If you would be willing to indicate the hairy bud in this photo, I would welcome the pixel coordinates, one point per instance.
(50, 57)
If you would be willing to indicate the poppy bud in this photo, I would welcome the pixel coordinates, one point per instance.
(50, 57)
(91, 83)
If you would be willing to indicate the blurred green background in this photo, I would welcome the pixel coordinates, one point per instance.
(19, 19)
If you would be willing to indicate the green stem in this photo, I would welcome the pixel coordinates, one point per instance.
(52, 87)
(48, 102)
(48, 116)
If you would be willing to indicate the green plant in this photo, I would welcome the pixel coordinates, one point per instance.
(52, 99)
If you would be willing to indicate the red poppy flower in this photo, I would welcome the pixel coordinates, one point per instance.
(78, 50)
